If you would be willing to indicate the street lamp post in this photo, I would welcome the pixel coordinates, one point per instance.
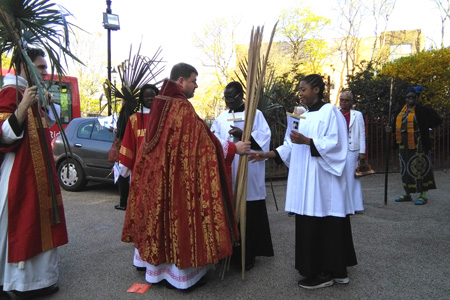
(114, 78)
(110, 22)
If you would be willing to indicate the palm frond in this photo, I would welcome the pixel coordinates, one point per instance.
(135, 72)
(36, 23)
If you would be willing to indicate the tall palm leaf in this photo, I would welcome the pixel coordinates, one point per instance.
(255, 74)
(134, 72)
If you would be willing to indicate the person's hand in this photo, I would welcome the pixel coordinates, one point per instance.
(242, 147)
(257, 156)
(298, 138)
(260, 156)
(49, 96)
(30, 97)
(235, 131)
(362, 156)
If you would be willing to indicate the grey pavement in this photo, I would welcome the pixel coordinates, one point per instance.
(403, 251)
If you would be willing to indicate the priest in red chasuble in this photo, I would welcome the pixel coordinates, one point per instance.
(180, 215)
(29, 236)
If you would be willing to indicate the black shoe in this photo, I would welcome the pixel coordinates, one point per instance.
(120, 207)
(168, 285)
(249, 264)
(316, 282)
(4, 295)
(141, 269)
(198, 284)
(35, 293)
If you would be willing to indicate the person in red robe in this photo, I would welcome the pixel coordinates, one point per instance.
(132, 140)
(180, 216)
(29, 233)
(135, 129)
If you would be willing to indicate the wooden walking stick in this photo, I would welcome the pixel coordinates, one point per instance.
(388, 141)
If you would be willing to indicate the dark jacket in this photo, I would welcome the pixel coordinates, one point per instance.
(426, 118)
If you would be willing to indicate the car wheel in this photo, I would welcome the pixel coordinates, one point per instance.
(75, 179)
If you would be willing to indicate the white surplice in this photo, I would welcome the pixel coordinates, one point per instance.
(256, 187)
(37, 272)
(317, 185)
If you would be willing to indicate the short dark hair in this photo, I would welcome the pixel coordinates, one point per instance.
(182, 70)
(146, 87)
(33, 53)
(235, 86)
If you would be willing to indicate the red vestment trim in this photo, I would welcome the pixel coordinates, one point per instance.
(132, 139)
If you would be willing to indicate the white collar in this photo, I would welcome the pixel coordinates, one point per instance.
(10, 79)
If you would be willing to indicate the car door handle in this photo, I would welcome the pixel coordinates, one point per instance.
(78, 145)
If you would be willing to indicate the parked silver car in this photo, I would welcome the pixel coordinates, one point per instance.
(90, 142)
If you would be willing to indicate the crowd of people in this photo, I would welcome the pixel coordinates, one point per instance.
(177, 178)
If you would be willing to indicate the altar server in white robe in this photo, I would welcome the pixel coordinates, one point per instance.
(316, 190)
(228, 126)
(356, 147)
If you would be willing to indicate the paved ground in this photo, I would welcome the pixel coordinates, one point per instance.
(403, 251)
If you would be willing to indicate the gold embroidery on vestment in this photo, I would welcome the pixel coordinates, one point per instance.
(4, 116)
(40, 172)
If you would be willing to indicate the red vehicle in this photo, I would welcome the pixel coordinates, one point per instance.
(65, 93)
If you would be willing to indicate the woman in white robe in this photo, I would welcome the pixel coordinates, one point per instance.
(316, 155)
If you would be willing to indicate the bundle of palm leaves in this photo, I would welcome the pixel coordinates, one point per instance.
(254, 75)
(135, 72)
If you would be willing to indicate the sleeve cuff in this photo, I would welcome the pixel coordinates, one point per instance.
(314, 151)
(14, 123)
(278, 159)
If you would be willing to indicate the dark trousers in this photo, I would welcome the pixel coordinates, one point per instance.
(124, 188)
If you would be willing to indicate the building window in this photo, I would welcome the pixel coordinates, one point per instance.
(397, 51)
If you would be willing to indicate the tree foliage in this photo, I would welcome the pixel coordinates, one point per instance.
(217, 42)
(302, 47)
(429, 69)
(90, 77)
(372, 93)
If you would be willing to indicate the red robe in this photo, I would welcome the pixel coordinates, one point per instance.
(179, 207)
(30, 231)
(132, 139)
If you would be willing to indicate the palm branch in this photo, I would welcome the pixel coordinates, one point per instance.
(135, 72)
(36, 23)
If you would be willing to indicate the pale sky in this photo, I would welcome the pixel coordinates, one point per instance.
(171, 24)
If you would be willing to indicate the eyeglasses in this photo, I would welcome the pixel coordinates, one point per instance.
(224, 98)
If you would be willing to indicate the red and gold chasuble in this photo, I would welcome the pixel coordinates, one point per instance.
(132, 139)
(179, 207)
(30, 231)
